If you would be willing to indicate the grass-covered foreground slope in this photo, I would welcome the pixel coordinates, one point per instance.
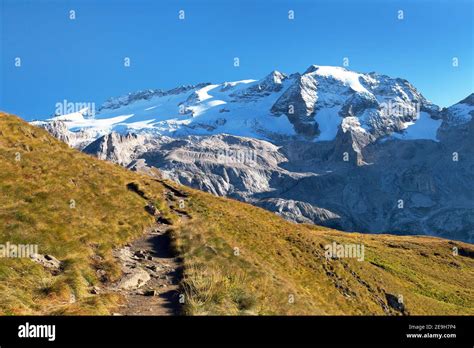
(74, 208)
(281, 267)
(238, 259)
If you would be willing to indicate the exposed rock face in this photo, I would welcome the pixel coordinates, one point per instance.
(298, 104)
(299, 211)
(271, 83)
(78, 139)
(457, 119)
(382, 105)
(117, 148)
(351, 139)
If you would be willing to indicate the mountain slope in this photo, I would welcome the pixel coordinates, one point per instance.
(74, 208)
(278, 262)
(237, 258)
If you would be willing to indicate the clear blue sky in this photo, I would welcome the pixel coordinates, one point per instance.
(82, 60)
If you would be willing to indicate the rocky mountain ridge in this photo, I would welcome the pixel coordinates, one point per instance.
(358, 151)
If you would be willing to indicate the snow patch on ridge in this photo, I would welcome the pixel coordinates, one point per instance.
(203, 92)
(348, 78)
(328, 121)
(424, 128)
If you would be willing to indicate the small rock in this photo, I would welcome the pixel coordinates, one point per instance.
(141, 254)
(151, 209)
(150, 258)
(212, 249)
(47, 261)
(163, 220)
(134, 280)
(97, 258)
(95, 290)
(394, 302)
(150, 293)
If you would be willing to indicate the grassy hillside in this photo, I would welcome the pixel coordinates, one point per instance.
(279, 259)
(238, 259)
(36, 192)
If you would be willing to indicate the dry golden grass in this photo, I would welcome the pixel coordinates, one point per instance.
(36, 193)
(281, 267)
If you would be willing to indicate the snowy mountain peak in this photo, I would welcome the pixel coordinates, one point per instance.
(309, 106)
(459, 113)
(313, 68)
(276, 77)
(346, 77)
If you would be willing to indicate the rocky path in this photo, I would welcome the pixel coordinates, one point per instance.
(151, 273)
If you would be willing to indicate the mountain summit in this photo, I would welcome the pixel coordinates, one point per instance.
(310, 106)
